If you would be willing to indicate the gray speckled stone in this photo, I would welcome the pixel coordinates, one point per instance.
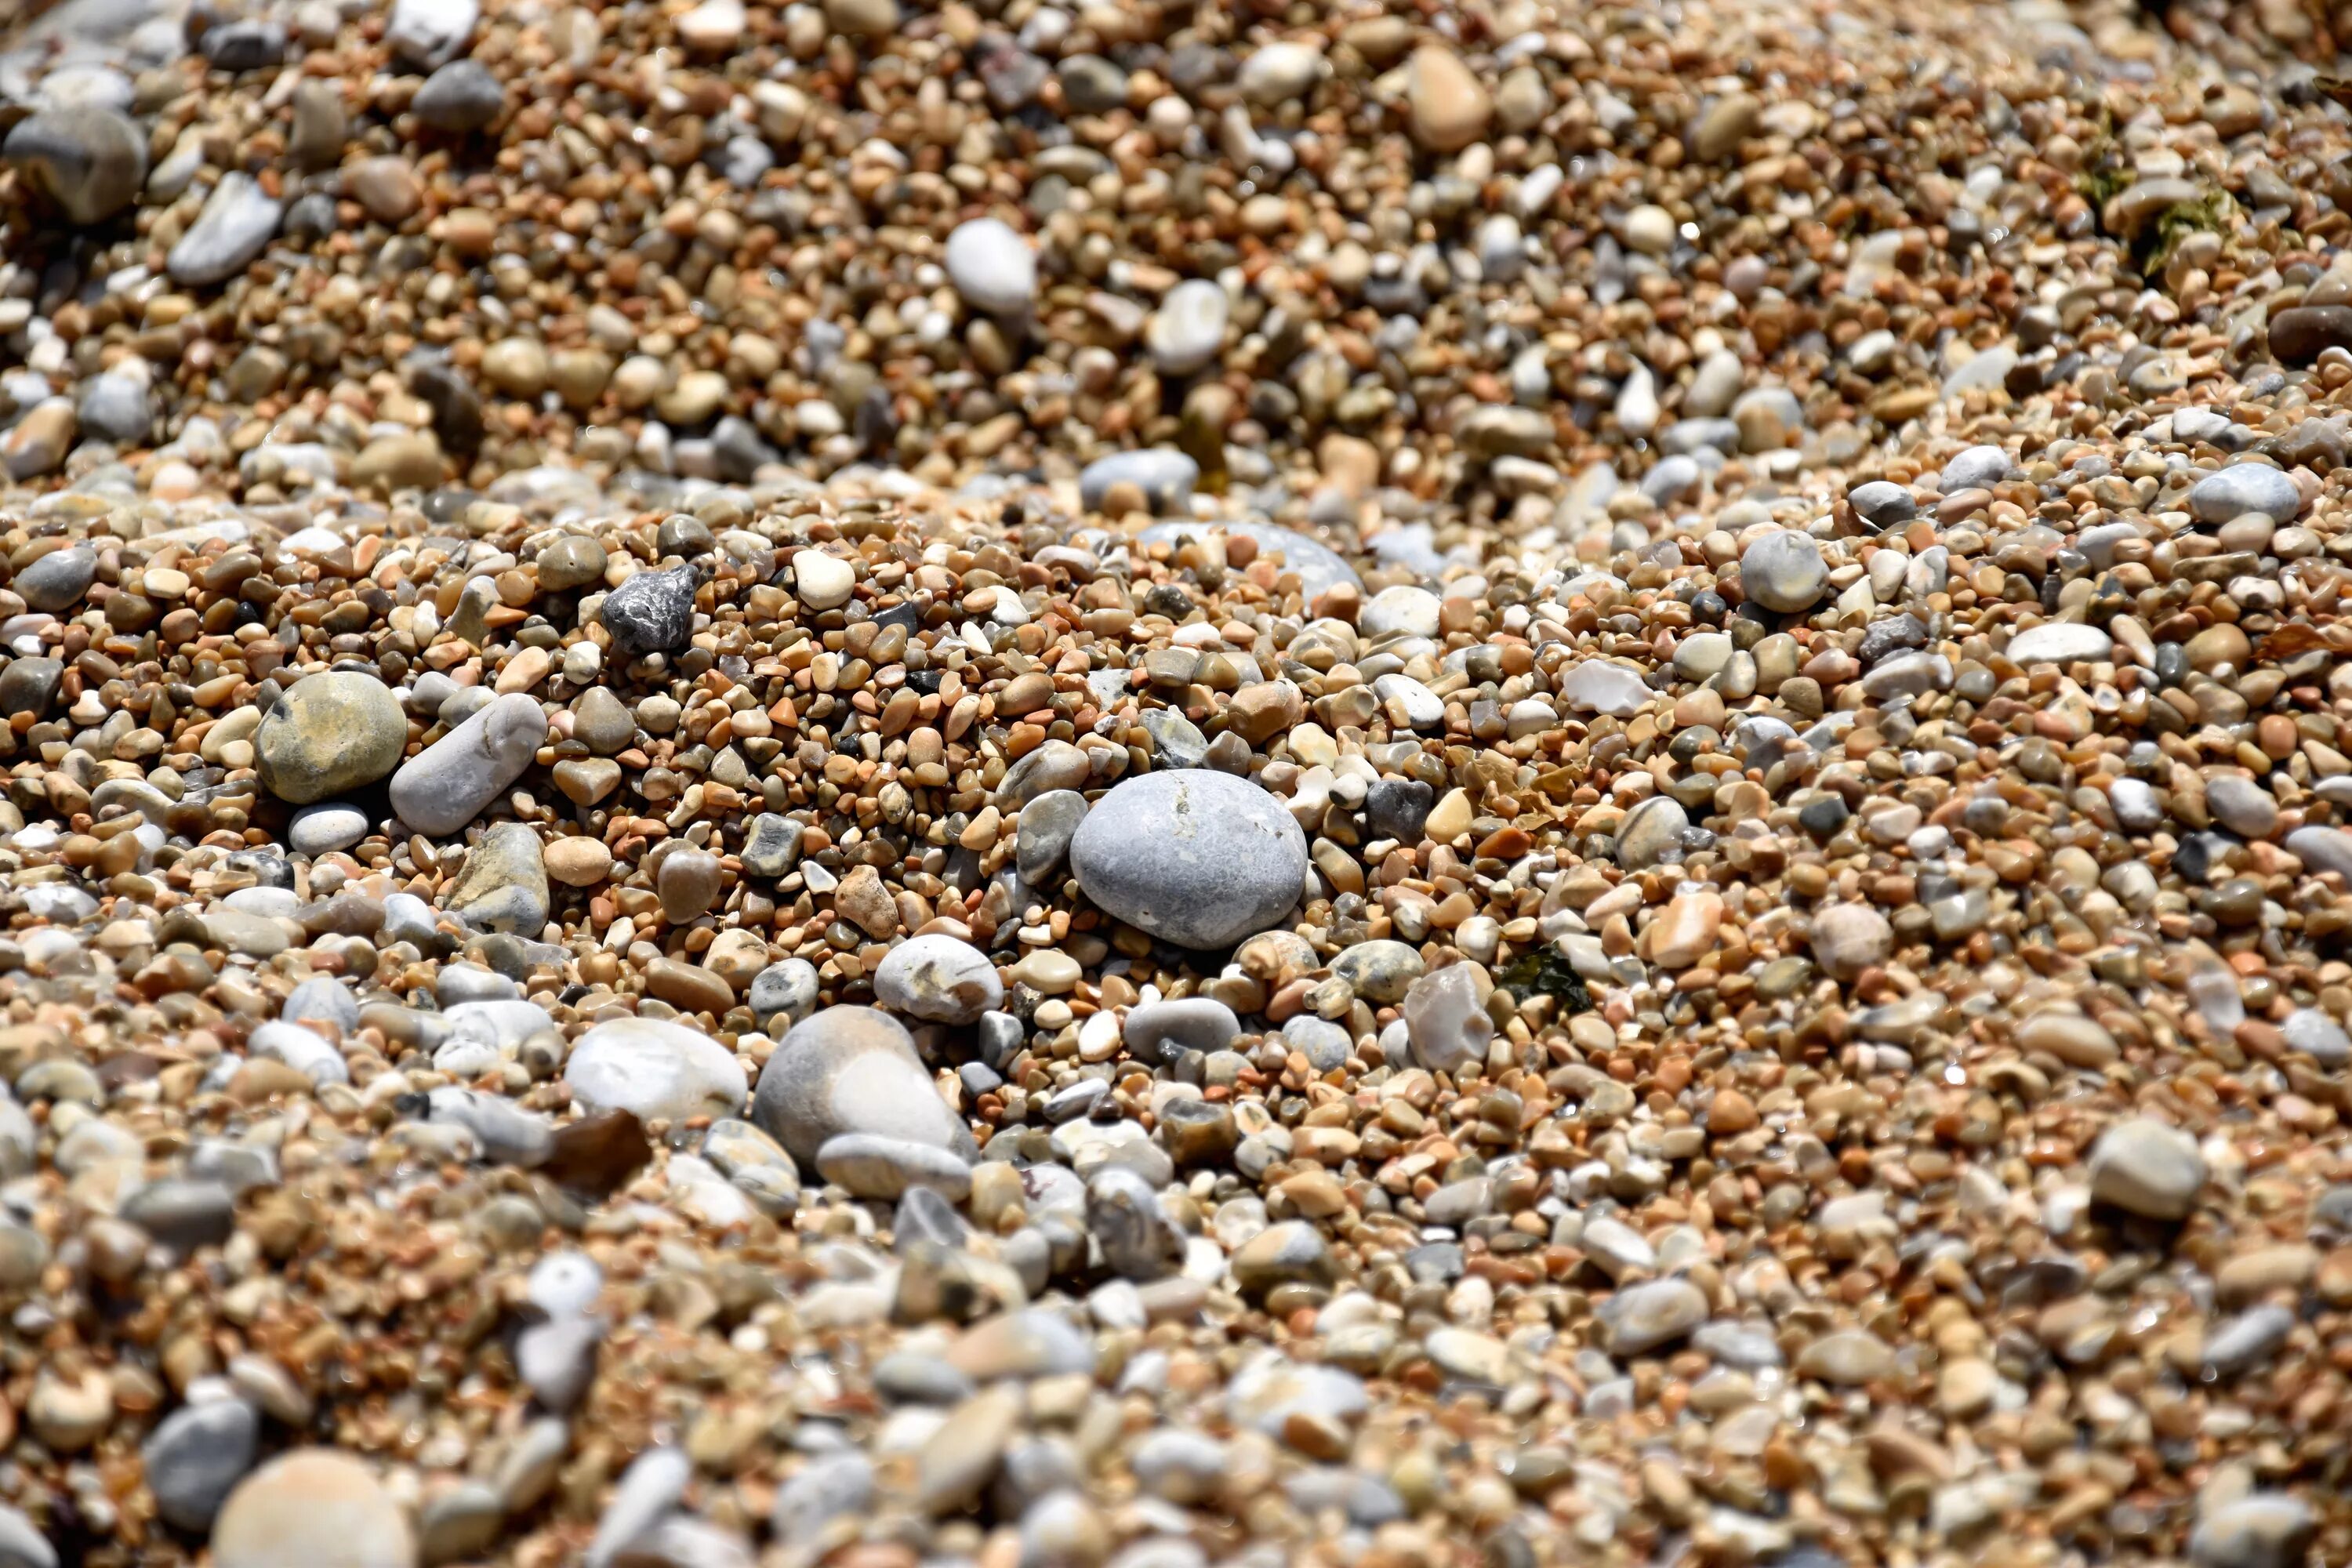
(1200, 858)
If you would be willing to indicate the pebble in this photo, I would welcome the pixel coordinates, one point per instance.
(1184, 334)
(2245, 488)
(2059, 642)
(651, 613)
(1449, 107)
(238, 221)
(2148, 1168)
(1643, 1318)
(460, 97)
(993, 267)
(936, 977)
(328, 735)
(2264, 1529)
(195, 1456)
(312, 1506)
(89, 158)
(655, 1071)
(851, 1070)
(428, 32)
(445, 786)
(1199, 858)
(1784, 570)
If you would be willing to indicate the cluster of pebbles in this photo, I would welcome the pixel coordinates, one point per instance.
(1103, 786)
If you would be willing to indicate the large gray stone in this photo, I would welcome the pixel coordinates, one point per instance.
(1200, 858)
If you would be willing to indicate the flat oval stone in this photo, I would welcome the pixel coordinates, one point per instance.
(2059, 642)
(1200, 858)
(889, 1168)
(195, 1456)
(2243, 488)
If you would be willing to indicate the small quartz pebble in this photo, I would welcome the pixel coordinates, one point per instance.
(2148, 1168)
(991, 267)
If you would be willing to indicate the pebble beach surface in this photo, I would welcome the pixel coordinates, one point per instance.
(1045, 785)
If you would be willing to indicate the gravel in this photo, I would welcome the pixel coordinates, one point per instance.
(883, 785)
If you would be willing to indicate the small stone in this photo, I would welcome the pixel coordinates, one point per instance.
(1186, 331)
(1604, 686)
(1979, 467)
(938, 978)
(90, 159)
(1446, 1020)
(1290, 1252)
(852, 1070)
(655, 1071)
(1448, 106)
(2148, 1168)
(1784, 570)
(1048, 823)
(1847, 1358)
(328, 734)
(653, 612)
(313, 1507)
(1200, 858)
(1643, 1318)
(2264, 1529)
(823, 581)
(2241, 805)
(238, 221)
(1850, 938)
(2245, 488)
(57, 580)
(39, 442)
(503, 886)
(195, 1456)
(2062, 643)
(429, 33)
(993, 267)
(444, 787)
(888, 1168)
(1380, 970)
(1649, 830)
